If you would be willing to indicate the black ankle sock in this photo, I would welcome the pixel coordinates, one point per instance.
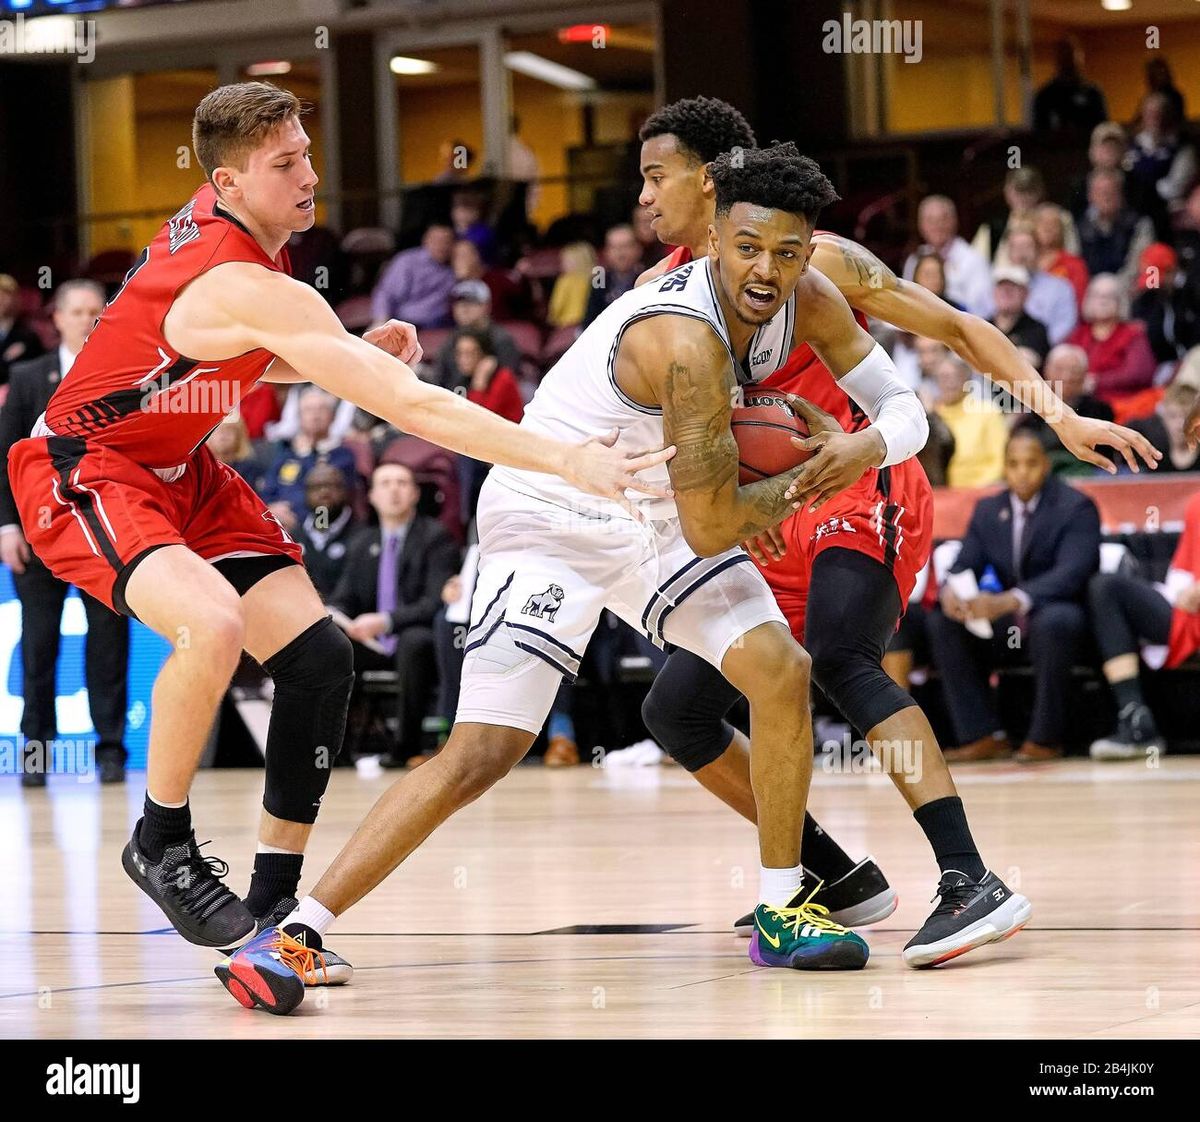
(162, 826)
(276, 875)
(945, 824)
(822, 855)
(1128, 692)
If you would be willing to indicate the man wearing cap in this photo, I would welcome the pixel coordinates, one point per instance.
(471, 308)
(18, 342)
(1168, 311)
(1011, 293)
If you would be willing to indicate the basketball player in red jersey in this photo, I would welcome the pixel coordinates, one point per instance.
(843, 568)
(118, 494)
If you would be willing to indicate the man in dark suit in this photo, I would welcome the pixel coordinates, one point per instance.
(1041, 539)
(77, 304)
(328, 528)
(18, 341)
(391, 588)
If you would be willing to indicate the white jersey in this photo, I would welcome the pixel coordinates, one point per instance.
(580, 397)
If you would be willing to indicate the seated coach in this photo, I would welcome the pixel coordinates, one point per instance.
(1041, 540)
(391, 588)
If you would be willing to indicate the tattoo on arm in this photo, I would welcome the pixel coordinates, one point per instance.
(865, 267)
(696, 408)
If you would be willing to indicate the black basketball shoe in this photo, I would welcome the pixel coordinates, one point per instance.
(1136, 736)
(970, 914)
(335, 971)
(186, 886)
(858, 899)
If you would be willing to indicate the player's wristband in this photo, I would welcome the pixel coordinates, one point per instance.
(893, 409)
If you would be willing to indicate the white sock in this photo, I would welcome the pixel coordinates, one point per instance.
(264, 848)
(776, 887)
(159, 802)
(312, 914)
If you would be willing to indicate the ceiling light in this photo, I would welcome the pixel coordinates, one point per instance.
(268, 69)
(401, 64)
(534, 66)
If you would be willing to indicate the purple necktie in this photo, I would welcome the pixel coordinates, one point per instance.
(386, 595)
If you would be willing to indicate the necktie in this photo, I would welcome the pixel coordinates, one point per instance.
(385, 600)
(1020, 536)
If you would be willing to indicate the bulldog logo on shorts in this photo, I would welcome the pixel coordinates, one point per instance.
(544, 605)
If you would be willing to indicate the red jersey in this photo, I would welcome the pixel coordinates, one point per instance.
(129, 390)
(1185, 626)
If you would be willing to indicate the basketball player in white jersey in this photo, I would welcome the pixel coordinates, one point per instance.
(664, 362)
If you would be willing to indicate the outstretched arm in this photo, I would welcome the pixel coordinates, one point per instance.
(686, 367)
(258, 308)
(869, 285)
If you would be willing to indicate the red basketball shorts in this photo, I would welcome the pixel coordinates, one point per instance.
(91, 514)
(887, 514)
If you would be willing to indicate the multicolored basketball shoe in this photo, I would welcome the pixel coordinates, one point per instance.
(803, 937)
(970, 914)
(858, 899)
(273, 969)
(337, 970)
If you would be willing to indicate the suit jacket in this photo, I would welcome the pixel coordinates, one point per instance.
(30, 386)
(325, 564)
(1062, 543)
(21, 337)
(429, 559)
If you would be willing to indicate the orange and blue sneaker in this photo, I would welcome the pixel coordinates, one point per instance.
(272, 970)
(337, 971)
(803, 937)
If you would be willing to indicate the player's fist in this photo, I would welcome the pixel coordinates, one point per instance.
(397, 338)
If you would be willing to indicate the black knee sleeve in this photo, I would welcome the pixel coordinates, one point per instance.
(313, 677)
(685, 710)
(853, 606)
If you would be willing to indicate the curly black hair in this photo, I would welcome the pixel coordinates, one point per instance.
(704, 127)
(778, 177)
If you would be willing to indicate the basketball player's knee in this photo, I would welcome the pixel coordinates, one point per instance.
(217, 633)
(691, 734)
(479, 763)
(787, 672)
(855, 682)
(320, 658)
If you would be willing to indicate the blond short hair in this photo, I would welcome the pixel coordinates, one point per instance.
(231, 121)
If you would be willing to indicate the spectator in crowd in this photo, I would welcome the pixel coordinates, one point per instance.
(1164, 429)
(1012, 316)
(1040, 539)
(283, 482)
(523, 165)
(18, 341)
(1187, 248)
(1118, 348)
(288, 424)
(416, 283)
(1066, 369)
(1068, 101)
(467, 218)
(77, 304)
(1170, 317)
(389, 592)
(935, 457)
(573, 287)
(968, 275)
(1162, 164)
(480, 375)
(917, 358)
(976, 423)
(1051, 300)
(1161, 622)
(1024, 191)
(1049, 232)
(511, 298)
(1106, 152)
(471, 307)
(230, 443)
(328, 527)
(1111, 234)
(622, 267)
(930, 272)
(1159, 80)
(455, 157)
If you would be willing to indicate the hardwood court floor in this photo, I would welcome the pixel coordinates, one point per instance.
(585, 903)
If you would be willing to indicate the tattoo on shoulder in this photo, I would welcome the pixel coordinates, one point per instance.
(865, 267)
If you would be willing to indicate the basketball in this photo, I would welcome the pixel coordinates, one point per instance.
(763, 428)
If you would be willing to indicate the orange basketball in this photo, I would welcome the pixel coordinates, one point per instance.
(763, 428)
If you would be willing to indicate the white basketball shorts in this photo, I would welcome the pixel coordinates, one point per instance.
(547, 572)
